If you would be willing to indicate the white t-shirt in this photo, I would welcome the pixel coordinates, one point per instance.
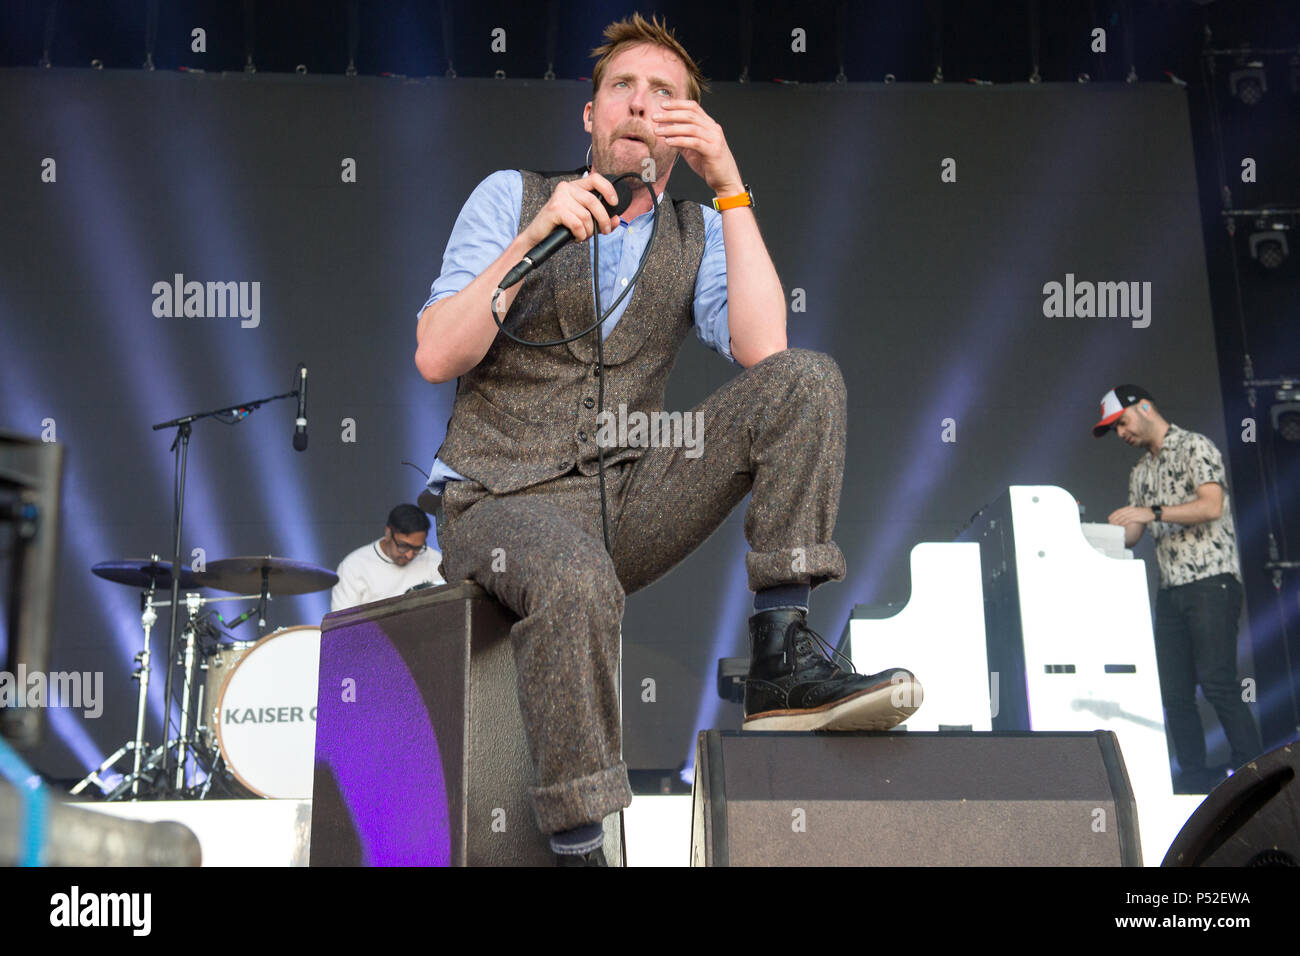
(368, 575)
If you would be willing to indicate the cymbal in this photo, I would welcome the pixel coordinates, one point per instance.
(284, 576)
(141, 572)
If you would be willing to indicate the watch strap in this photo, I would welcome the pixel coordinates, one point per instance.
(734, 202)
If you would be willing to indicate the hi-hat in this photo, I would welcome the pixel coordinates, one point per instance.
(143, 572)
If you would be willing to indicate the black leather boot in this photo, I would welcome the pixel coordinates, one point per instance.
(795, 682)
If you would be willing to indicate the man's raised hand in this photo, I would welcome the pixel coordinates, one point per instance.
(683, 125)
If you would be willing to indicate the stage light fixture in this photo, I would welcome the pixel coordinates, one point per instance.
(1268, 243)
(1248, 82)
(1285, 413)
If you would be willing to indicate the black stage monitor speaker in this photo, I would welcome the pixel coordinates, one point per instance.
(31, 472)
(421, 758)
(912, 799)
(1251, 819)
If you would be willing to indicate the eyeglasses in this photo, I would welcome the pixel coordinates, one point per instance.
(413, 549)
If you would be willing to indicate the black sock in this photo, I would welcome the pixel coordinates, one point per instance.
(579, 841)
(783, 595)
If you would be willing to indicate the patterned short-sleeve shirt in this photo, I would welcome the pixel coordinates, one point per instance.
(1185, 552)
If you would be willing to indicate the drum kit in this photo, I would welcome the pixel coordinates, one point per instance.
(247, 708)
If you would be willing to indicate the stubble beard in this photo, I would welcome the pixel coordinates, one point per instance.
(604, 162)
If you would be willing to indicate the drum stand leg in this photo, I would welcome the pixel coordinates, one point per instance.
(186, 690)
(131, 781)
(207, 785)
(147, 619)
(141, 674)
(217, 770)
(94, 775)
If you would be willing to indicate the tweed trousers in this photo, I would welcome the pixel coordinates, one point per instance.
(775, 431)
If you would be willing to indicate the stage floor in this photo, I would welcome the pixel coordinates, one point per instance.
(278, 832)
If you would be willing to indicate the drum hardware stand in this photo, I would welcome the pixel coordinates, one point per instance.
(201, 748)
(180, 448)
(192, 602)
(130, 782)
(202, 751)
(151, 764)
(148, 617)
(259, 609)
(220, 771)
(207, 735)
(261, 605)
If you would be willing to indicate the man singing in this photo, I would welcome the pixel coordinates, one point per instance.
(520, 466)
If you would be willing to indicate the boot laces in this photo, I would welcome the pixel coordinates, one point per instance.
(818, 644)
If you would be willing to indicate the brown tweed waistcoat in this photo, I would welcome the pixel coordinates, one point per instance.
(525, 415)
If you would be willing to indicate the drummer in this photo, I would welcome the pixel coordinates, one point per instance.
(394, 564)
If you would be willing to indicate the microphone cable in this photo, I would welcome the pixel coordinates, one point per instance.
(600, 339)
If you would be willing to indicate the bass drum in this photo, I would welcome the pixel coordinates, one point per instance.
(265, 718)
(216, 668)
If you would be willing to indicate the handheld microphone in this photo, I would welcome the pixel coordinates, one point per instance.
(561, 236)
(300, 431)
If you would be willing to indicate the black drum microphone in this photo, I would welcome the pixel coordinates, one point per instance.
(300, 431)
(561, 236)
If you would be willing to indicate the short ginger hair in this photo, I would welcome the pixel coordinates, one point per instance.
(637, 30)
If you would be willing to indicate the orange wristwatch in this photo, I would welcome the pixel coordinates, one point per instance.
(735, 202)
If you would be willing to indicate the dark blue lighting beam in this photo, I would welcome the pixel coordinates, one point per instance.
(819, 266)
(254, 361)
(99, 219)
(23, 409)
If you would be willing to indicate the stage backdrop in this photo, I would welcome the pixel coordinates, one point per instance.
(914, 229)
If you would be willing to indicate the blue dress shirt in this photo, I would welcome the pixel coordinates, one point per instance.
(489, 222)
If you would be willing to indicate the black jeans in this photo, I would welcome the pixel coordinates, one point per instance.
(1196, 642)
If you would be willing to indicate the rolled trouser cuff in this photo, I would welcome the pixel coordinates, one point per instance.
(811, 564)
(589, 799)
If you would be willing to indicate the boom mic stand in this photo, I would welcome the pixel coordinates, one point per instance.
(180, 450)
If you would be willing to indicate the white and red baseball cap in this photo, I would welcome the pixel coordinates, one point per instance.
(1113, 404)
